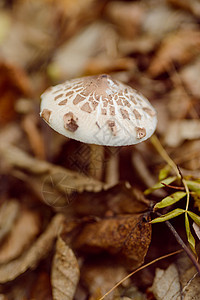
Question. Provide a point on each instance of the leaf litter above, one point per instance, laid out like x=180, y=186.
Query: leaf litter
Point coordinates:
x=72, y=225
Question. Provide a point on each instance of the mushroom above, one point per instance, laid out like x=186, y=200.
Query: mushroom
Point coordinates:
x=98, y=110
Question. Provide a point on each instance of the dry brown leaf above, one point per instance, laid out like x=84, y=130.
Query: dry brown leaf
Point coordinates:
x=166, y=284
x=180, y=130
x=128, y=16
x=25, y=229
x=34, y=135
x=9, y=211
x=41, y=289
x=37, y=251
x=55, y=181
x=14, y=83
x=190, y=75
x=192, y=6
x=65, y=272
x=190, y=281
x=179, y=48
x=100, y=277
x=126, y=236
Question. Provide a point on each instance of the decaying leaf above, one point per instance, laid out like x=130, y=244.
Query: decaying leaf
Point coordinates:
x=166, y=284
x=32, y=257
x=196, y=229
x=179, y=47
x=192, y=6
x=41, y=288
x=25, y=229
x=9, y=211
x=125, y=236
x=128, y=16
x=180, y=130
x=65, y=181
x=64, y=273
x=189, y=279
x=99, y=277
x=14, y=83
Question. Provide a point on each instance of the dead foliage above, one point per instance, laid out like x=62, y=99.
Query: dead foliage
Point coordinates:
x=75, y=219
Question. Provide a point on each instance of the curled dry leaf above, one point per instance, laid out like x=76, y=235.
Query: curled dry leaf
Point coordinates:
x=65, y=272
x=190, y=75
x=41, y=288
x=179, y=47
x=180, y=130
x=166, y=284
x=99, y=277
x=9, y=211
x=126, y=236
x=189, y=279
x=36, y=252
x=192, y=6
x=23, y=233
x=14, y=83
x=53, y=178
x=128, y=16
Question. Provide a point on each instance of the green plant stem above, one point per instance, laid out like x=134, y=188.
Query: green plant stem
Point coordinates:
x=156, y=143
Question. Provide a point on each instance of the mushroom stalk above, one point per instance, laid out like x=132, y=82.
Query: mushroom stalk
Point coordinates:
x=96, y=161
x=112, y=167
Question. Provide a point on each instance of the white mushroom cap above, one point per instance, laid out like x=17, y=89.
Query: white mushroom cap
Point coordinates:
x=98, y=110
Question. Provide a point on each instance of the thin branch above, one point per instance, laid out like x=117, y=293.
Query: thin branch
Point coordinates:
x=183, y=245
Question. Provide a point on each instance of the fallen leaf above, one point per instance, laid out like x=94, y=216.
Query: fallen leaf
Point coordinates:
x=55, y=181
x=192, y=6
x=181, y=130
x=196, y=229
x=127, y=16
x=65, y=272
x=41, y=287
x=14, y=83
x=179, y=48
x=25, y=229
x=99, y=277
x=190, y=75
x=9, y=211
x=166, y=284
x=34, y=254
x=125, y=236
x=189, y=279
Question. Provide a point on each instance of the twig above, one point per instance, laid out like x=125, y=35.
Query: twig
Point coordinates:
x=139, y=269
x=183, y=245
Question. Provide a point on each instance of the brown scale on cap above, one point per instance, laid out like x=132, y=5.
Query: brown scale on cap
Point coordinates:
x=112, y=126
x=149, y=111
x=86, y=107
x=58, y=96
x=63, y=102
x=46, y=113
x=70, y=122
x=124, y=113
x=140, y=132
x=137, y=114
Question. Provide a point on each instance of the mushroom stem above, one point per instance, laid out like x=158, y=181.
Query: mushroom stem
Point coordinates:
x=96, y=161
x=112, y=167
